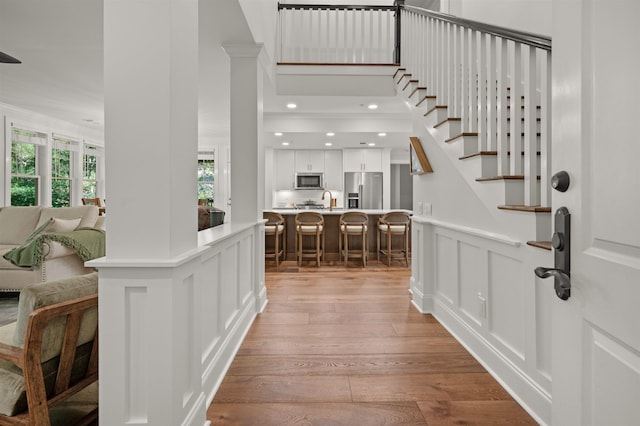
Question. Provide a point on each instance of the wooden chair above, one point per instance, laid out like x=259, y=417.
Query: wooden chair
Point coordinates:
x=58, y=358
x=310, y=224
x=94, y=202
x=395, y=223
x=353, y=224
x=276, y=228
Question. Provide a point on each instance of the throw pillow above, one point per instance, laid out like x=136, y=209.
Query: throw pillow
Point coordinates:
x=62, y=225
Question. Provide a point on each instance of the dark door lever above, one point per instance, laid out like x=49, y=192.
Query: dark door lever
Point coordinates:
x=561, y=242
x=562, y=281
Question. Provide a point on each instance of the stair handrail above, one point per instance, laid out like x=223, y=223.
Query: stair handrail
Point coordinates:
x=495, y=82
x=531, y=39
x=395, y=44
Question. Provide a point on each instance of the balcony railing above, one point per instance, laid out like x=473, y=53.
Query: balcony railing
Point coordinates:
x=332, y=34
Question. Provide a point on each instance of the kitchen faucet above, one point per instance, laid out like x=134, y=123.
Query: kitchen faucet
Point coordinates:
x=330, y=198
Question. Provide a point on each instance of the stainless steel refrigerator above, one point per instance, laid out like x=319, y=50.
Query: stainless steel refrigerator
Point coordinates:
x=363, y=190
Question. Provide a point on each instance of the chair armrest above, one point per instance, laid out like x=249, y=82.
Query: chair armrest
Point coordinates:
x=53, y=250
x=12, y=354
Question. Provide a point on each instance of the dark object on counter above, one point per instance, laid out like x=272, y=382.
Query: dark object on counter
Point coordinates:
x=209, y=217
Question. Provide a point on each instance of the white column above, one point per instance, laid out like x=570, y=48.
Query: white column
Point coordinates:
x=247, y=148
x=150, y=367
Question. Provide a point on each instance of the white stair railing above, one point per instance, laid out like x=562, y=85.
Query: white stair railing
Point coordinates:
x=336, y=34
x=496, y=80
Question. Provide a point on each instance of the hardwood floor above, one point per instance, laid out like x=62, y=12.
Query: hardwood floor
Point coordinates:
x=343, y=346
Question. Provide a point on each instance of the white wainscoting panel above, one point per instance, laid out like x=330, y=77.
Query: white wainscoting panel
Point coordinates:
x=169, y=328
x=486, y=295
x=506, y=310
x=472, y=271
x=446, y=268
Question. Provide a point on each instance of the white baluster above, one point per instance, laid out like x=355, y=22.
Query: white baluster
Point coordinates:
x=531, y=196
x=515, y=140
x=502, y=49
x=491, y=95
x=545, y=129
x=464, y=42
x=473, y=81
x=482, y=92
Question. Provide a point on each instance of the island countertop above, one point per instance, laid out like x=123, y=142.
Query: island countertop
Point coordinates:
x=332, y=226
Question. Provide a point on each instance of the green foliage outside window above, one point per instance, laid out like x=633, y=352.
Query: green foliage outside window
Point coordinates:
x=24, y=178
x=89, y=176
x=205, y=180
x=60, y=178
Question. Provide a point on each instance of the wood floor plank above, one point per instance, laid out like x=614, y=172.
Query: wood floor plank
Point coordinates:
x=445, y=413
x=314, y=365
x=339, y=346
x=249, y=389
x=348, y=346
x=401, y=414
x=424, y=387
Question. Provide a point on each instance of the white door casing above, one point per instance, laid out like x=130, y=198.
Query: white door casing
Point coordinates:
x=596, y=92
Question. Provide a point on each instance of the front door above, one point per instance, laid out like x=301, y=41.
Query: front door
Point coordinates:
x=596, y=139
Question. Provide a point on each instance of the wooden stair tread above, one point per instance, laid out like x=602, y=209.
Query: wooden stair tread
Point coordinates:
x=546, y=245
x=424, y=99
x=416, y=90
x=447, y=120
x=451, y=139
x=504, y=177
x=435, y=108
x=478, y=154
x=408, y=83
x=398, y=71
x=403, y=76
x=528, y=209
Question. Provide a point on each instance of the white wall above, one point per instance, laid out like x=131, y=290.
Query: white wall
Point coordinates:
x=525, y=15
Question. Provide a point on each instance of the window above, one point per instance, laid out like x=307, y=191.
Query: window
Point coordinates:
x=206, y=177
x=90, y=177
x=25, y=178
x=62, y=154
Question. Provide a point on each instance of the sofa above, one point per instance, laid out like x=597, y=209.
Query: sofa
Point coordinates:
x=19, y=225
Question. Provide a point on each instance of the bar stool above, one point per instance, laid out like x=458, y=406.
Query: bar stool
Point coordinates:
x=275, y=227
x=353, y=224
x=395, y=223
x=309, y=224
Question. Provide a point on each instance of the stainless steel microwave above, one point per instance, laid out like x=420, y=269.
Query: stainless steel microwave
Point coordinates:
x=310, y=180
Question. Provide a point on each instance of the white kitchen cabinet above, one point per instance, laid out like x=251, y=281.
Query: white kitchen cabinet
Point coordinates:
x=285, y=170
x=362, y=160
x=309, y=160
x=333, y=170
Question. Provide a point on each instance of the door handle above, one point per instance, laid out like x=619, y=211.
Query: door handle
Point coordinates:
x=561, y=243
x=562, y=281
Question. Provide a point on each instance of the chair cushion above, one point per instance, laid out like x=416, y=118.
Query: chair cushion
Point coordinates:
x=34, y=297
x=396, y=229
x=353, y=228
x=16, y=223
x=13, y=395
x=270, y=229
x=309, y=228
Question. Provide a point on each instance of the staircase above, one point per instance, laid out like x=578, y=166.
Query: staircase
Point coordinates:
x=483, y=94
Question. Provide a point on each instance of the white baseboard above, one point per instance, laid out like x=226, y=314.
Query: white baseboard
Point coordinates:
x=532, y=397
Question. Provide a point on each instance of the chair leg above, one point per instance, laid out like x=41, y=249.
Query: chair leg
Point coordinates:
x=388, y=248
x=276, y=238
x=378, y=245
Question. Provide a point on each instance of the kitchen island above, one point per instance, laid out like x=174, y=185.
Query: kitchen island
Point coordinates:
x=331, y=229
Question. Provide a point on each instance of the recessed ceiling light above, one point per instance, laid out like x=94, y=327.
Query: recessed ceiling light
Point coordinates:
x=328, y=144
x=372, y=106
x=382, y=134
x=371, y=144
x=291, y=105
x=285, y=143
x=330, y=134
x=278, y=134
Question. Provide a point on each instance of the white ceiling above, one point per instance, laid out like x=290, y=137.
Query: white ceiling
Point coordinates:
x=60, y=45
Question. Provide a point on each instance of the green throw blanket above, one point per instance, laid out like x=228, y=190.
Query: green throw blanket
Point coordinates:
x=87, y=243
